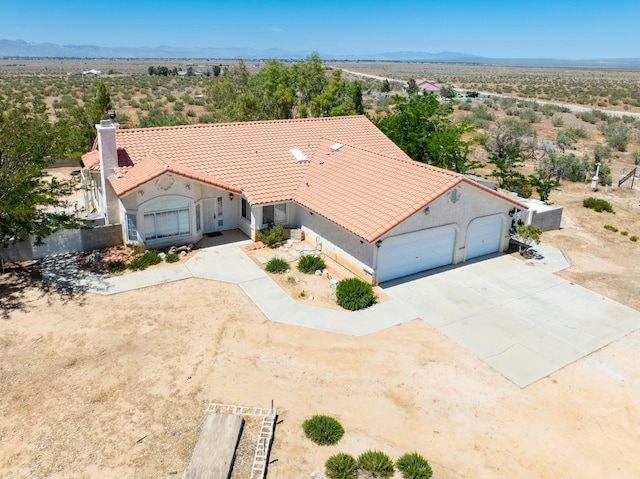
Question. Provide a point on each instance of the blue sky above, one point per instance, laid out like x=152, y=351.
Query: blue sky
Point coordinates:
x=563, y=29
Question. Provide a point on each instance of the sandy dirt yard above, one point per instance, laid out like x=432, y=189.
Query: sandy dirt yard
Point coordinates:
x=116, y=386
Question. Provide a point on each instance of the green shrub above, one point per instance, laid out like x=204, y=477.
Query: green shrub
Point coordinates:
x=633, y=238
x=172, y=257
x=341, y=466
x=413, y=466
x=611, y=228
x=376, y=464
x=271, y=235
x=597, y=204
x=149, y=258
x=116, y=266
x=354, y=294
x=323, y=430
x=309, y=264
x=624, y=233
x=277, y=265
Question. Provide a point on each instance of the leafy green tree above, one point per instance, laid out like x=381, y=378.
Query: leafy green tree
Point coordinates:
x=309, y=78
x=159, y=117
x=412, y=88
x=505, y=153
x=447, y=92
x=422, y=128
x=30, y=204
x=385, y=87
x=544, y=184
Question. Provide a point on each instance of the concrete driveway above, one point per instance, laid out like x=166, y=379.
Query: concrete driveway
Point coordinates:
x=517, y=316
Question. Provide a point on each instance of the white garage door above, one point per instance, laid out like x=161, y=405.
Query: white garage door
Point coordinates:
x=410, y=253
x=483, y=236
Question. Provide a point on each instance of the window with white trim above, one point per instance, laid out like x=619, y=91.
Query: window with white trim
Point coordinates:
x=246, y=210
x=132, y=227
x=167, y=218
x=198, y=218
x=274, y=214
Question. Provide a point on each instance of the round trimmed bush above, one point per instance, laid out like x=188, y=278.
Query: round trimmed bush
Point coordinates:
x=277, y=265
x=323, y=430
x=354, y=294
x=376, y=464
x=309, y=264
x=341, y=466
x=413, y=466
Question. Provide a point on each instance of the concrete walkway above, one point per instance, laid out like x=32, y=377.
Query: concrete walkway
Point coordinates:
x=516, y=316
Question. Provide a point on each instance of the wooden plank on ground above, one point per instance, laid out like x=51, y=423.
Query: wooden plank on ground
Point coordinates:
x=216, y=447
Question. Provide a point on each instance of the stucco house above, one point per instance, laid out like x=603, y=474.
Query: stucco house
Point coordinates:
x=354, y=193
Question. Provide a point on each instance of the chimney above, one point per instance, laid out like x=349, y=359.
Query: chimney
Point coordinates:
x=107, y=145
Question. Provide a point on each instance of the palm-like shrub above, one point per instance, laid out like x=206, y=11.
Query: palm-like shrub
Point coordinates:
x=149, y=258
x=376, y=464
x=341, y=466
x=413, y=466
x=323, y=430
x=172, y=257
x=277, y=265
x=310, y=264
x=354, y=294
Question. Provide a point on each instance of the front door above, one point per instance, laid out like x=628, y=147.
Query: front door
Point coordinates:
x=213, y=214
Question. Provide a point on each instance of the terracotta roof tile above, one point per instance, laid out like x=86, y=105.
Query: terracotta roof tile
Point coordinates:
x=367, y=186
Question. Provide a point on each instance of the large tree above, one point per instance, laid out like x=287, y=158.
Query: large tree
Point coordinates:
x=422, y=127
x=30, y=203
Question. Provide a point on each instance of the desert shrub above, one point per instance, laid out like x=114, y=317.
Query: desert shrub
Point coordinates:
x=172, y=257
x=568, y=167
x=464, y=106
x=618, y=136
x=341, y=466
x=323, y=430
x=611, y=228
x=354, y=294
x=376, y=463
x=277, y=265
x=413, y=466
x=529, y=115
x=271, y=235
x=116, y=266
x=624, y=233
x=557, y=121
x=578, y=132
x=633, y=238
x=597, y=204
x=149, y=258
x=310, y=264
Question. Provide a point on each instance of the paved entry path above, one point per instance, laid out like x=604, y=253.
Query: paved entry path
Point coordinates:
x=516, y=316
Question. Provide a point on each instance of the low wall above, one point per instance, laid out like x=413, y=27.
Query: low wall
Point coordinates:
x=547, y=220
x=64, y=241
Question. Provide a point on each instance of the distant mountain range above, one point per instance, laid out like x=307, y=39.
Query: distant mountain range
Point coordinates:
x=23, y=49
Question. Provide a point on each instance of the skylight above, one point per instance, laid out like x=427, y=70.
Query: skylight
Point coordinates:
x=297, y=154
x=336, y=146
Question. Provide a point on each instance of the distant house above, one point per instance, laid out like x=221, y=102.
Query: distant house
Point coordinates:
x=356, y=195
x=429, y=86
x=92, y=73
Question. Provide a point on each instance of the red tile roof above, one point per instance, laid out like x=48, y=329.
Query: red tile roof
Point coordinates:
x=367, y=186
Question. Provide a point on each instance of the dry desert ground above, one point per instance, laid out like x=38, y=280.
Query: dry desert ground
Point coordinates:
x=98, y=386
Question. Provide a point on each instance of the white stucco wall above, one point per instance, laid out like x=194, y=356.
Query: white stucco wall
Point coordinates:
x=472, y=203
x=171, y=186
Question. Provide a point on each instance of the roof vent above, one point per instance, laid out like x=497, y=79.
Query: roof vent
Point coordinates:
x=336, y=146
x=297, y=154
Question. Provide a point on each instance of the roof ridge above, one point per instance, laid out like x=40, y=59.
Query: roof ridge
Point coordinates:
x=194, y=126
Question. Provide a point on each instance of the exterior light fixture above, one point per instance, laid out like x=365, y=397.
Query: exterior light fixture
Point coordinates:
x=427, y=210
x=379, y=243
x=231, y=196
